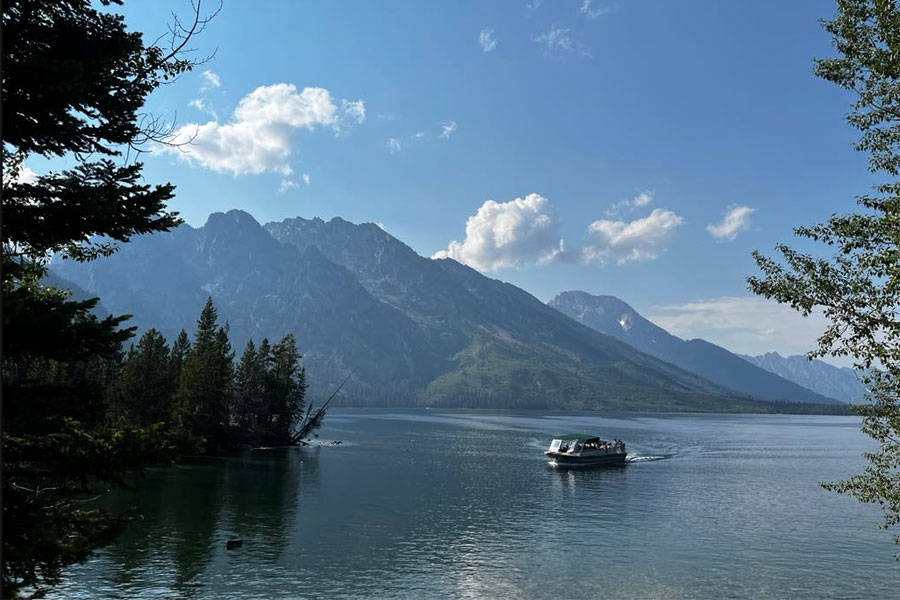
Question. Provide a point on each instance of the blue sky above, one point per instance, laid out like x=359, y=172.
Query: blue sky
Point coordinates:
x=626, y=129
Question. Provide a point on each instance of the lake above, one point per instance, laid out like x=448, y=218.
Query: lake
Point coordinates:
x=462, y=504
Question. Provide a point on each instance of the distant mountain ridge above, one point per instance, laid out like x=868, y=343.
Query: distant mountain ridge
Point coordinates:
x=414, y=331
x=614, y=317
x=836, y=382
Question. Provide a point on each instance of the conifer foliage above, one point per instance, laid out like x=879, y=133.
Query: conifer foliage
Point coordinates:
x=142, y=394
x=74, y=82
x=74, y=79
x=195, y=394
x=204, y=385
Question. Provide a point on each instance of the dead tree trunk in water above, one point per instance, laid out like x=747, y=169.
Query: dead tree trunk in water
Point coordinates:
x=313, y=419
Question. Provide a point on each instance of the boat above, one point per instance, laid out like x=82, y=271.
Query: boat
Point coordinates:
x=578, y=449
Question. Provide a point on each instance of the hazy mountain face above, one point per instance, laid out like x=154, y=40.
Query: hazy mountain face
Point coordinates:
x=611, y=316
x=836, y=382
x=412, y=329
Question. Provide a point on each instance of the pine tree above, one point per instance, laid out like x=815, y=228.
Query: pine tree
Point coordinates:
x=180, y=351
x=201, y=401
x=248, y=392
x=224, y=370
x=74, y=81
x=261, y=406
x=142, y=393
x=286, y=390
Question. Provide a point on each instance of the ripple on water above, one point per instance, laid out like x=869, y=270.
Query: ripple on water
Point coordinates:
x=464, y=505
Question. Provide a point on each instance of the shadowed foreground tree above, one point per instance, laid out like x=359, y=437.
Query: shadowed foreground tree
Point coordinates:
x=73, y=83
x=858, y=287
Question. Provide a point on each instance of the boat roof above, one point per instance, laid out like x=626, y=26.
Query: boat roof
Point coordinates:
x=575, y=437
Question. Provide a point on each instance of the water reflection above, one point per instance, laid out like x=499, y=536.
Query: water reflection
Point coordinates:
x=419, y=508
x=594, y=480
x=262, y=497
x=187, y=514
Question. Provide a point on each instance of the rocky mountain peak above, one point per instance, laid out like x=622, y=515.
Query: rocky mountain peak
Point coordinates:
x=612, y=316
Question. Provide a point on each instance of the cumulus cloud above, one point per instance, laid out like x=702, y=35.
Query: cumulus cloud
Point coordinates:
x=447, y=129
x=590, y=12
x=736, y=220
x=744, y=324
x=533, y=5
x=637, y=240
x=306, y=178
x=393, y=145
x=486, y=40
x=262, y=131
x=559, y=39
x=508, y=234
x=210, y=81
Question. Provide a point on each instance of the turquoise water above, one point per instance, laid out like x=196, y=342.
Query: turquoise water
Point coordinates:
x=428, y=504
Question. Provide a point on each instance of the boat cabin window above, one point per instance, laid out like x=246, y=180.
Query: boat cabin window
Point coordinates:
x=554, y=445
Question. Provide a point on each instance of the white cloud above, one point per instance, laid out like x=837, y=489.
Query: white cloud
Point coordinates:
x=306, y=178
x=447, y=129
x=419, y=135
x=287, y=184
x=736, y=220
x=508, y=234
x=262, y=131
x=200, y=104
x=642, y=199
x=638, y=240
x=486, y=40
x=592, y=13
x=533, y=5
x=23, y=175
x=355, y=110
x=558, y=38
x=210, y=81
x=393, y=145
x=744, y=324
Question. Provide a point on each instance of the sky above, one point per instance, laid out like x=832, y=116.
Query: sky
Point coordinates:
x=638, y=148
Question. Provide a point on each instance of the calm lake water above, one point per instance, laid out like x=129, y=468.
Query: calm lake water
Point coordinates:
x=428, y=504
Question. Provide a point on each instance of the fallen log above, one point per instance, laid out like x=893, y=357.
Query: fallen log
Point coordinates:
x=313, y=419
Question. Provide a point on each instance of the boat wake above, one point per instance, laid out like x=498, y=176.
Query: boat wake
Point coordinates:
x=636, y=459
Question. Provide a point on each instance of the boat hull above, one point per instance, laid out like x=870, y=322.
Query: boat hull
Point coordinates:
x=570, y=460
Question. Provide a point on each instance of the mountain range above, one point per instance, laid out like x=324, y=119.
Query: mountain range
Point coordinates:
x=609, y=315
x=412, y=330
x=817, y=375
